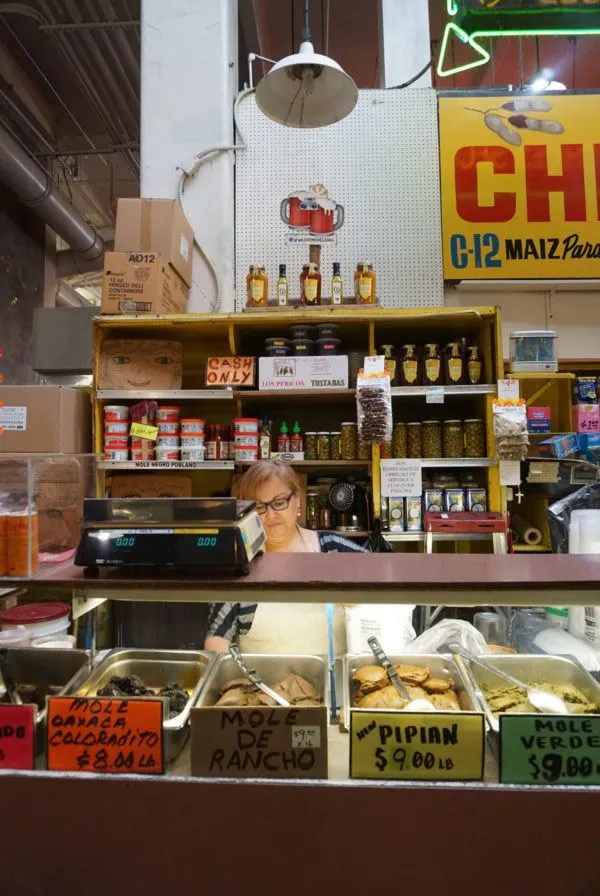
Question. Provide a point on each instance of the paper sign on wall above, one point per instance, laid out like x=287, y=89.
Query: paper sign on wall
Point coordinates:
x=510, y=472
x=230, y=371
x=17, y=737
x=508, y=389
x=538, y=749
x=100, y=734
x=401, y=478
x=417, y=746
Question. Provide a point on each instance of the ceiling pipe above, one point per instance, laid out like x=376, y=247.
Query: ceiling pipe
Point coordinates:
x=36, y=189
x=67, y=297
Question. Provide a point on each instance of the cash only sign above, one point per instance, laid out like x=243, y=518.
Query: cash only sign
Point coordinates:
x=520, y=183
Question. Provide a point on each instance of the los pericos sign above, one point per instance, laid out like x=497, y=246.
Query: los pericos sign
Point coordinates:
x=520, y=182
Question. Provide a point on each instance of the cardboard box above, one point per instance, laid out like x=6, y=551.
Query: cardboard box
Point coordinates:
x=140, y=364
x=156, y=225
x=538, y=419
x=45, y=420
x=138, y=283
x=303, y=372
x=586, y=418
x=561, y=446
x=153, y=485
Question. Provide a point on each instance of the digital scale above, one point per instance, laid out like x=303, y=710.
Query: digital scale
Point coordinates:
x=170, y=533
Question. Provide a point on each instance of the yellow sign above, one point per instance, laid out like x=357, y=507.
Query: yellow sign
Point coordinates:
x=144, y=431
x=520, y=182
x=417, y=746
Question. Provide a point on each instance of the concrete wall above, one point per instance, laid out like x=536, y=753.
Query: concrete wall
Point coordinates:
x=22, y=258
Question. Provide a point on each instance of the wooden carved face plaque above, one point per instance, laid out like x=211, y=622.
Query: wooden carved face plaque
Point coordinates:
x=140, y=364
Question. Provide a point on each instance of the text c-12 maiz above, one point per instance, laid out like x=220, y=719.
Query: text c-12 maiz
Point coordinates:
x=481, y=249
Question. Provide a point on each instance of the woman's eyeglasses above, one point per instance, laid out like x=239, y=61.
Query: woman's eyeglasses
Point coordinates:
x=277, y=504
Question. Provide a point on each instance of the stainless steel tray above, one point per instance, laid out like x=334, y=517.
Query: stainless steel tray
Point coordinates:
x=439, y=665
x=529, y=668
x=48, y=668
x=271, y=667
x=157, y=668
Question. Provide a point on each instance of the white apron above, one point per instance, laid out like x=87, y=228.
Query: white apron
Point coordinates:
x=293, y=628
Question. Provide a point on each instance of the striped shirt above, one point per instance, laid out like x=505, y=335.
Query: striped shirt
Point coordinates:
x=233, y=621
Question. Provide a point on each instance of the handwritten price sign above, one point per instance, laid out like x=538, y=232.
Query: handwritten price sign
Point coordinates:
x=17, y=737
x=417, y=746
x=538, y=749
x=99, y=734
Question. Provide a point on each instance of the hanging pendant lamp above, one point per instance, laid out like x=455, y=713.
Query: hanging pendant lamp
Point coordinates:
x=306, y=90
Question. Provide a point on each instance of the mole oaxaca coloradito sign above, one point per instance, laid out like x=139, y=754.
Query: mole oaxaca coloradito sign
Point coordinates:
x=520, y=183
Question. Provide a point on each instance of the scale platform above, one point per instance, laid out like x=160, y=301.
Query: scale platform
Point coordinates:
x=170, y=533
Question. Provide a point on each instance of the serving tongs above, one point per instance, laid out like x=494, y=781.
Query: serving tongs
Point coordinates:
x=418, y=705
x=255, y=678
x=7, y=678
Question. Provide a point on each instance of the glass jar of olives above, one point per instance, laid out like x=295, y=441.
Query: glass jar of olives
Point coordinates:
x=432, y=438
x=453, y=438
x=399, y=447
x=474, y=438
x=335, y=447
x=310, y=445
x=349, y=437
x=414, y=440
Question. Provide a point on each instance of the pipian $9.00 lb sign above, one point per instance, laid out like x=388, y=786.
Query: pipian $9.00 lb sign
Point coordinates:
x=520, y=181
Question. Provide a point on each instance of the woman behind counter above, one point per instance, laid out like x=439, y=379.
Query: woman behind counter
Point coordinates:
x=276, y=628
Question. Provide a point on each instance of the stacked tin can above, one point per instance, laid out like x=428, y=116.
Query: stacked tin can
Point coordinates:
x=116, y=432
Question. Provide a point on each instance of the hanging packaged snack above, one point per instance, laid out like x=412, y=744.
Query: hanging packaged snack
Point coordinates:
x=510, y=428
x=374, y=408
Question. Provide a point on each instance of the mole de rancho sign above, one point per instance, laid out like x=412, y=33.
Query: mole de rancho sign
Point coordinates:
x=520, y=182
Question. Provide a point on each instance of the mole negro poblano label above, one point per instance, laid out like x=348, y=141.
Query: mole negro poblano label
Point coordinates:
x=417, y=746
x=106, y=735
x=539, y=749
x=259, y=742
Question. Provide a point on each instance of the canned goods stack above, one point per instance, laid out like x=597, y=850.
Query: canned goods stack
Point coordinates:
x=116, y=432
x=246, y=439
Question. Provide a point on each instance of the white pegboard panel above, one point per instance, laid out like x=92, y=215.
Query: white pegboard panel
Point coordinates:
x=381, y=164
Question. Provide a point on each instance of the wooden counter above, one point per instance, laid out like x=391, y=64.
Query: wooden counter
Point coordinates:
x=355, y=578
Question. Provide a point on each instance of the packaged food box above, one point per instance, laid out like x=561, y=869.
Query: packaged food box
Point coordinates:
x=586, y=418
x=414, y=514
x=538, y=419
x=476, y=500
x=433, y=500
x=589, y=447
x=561, y=446
x=44, y=420
x=396, y=510
x=586, y=390
x=454, y=500
x=141, y=283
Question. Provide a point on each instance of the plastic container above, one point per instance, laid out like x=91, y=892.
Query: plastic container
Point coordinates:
x=195, y=455
x=168, y=413
x=116, y=429
x=277, y=342
x=171, y=428
x=192, y=440
x=138, y=454
x=37, y=619
x=116, y=454
x=245, y=438
x=55, y=642
x=15, y=637
x=302, y=331
x=167, y=442
x=115, y=441
x=23, y=550
x=249, y=425
x=277, y=351
x=303, y=346
x=533, y=351
x=327, y=331
x=116, y=413
x=192, y=425
x=166, y=453
x=246, y=453
x=328, y=346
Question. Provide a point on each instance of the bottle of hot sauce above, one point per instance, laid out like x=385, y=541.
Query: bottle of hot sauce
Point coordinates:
x=310, y=285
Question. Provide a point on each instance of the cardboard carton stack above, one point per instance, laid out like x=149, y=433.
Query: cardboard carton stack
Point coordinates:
x=150, y=271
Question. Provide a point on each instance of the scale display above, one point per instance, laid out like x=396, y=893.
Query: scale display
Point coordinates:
x=474, y=22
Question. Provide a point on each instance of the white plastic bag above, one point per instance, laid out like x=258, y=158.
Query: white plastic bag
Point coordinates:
x=449, y=631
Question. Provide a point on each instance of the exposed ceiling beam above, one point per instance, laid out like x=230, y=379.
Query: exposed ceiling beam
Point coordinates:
x=24, y=88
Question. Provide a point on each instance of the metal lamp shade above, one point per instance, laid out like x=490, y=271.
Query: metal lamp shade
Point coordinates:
x=306, y=90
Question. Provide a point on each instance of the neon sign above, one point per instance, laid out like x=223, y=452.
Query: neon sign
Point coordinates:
x=472, y=20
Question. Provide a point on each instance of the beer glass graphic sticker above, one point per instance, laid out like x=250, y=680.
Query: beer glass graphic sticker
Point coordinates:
x=311, y=216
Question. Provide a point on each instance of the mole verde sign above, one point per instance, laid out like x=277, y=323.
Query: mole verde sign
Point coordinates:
x=475, y=21
x=520, y=186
